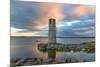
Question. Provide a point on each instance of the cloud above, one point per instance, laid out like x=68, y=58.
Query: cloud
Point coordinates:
x=45, y=12
x=80, y=10
x=22, y=14
x=13, y=29
x=15, y=32
x=86, y=30
x=24, y=32
x=76, y=28
x=31, y=18
x=77, y=12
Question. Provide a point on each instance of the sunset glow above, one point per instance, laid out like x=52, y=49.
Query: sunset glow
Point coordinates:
x=31, y=19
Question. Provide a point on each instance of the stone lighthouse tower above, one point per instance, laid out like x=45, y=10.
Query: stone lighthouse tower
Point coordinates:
x=52, y=31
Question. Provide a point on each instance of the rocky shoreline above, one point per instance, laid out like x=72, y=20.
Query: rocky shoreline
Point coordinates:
x=36, y=61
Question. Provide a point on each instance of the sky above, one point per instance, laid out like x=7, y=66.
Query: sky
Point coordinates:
x=72, y=20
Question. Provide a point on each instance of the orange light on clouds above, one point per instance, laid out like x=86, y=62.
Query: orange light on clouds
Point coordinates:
x=79, y=10
x=46, y=11
x=82, y=10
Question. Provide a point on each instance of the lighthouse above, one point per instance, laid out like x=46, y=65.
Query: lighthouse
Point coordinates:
x=52, y=31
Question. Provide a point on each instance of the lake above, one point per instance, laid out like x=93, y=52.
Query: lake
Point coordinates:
x=26, y=47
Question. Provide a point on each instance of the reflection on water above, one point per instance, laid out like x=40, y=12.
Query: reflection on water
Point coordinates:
x=37, y=53
x=26, y=47
x=80, y=56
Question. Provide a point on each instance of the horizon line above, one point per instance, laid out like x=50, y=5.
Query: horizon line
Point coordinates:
x=56, y=37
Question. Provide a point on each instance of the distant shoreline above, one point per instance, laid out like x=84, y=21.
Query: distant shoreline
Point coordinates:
x=47, y=37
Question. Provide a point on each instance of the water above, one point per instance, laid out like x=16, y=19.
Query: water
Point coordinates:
x=26, y=47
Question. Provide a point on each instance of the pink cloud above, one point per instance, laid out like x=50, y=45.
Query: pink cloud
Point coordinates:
x=46, y=11
x=81, y=10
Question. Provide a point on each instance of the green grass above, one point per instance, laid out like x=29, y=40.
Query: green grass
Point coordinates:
x=52, y=53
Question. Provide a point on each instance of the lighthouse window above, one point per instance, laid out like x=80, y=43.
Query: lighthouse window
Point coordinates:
x=50, y=22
